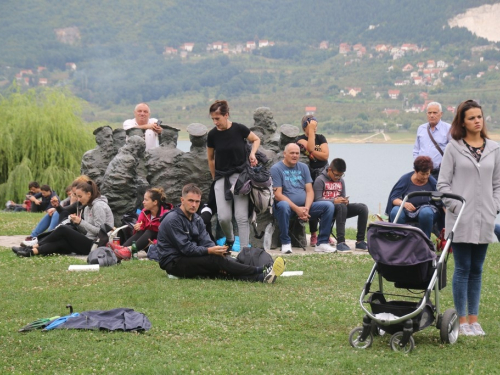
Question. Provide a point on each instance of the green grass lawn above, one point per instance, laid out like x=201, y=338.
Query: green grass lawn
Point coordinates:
x=299, y=325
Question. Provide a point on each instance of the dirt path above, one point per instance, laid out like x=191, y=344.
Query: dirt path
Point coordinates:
x=9, y=241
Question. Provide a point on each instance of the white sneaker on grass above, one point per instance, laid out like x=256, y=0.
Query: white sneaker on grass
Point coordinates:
x=286, y=248
x=325, y=248
x=477, y=329
x=466, y=330
x=31, y=243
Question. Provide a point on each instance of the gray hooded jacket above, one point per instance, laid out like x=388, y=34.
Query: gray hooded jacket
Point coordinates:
x=95, y=216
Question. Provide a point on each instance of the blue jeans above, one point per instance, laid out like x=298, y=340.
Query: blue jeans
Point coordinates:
x=469, y=259
x=497, y=231
x=47, y=223
x=426, y=218
x=322, y=210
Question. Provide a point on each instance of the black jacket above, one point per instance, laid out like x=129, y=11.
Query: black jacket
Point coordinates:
x=180, y=237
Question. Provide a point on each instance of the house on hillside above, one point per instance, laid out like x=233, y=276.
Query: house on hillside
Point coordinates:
x=431, y=64
x=263, y=43
x=420, y=65
x=70, y=66
x=451, y=109
x=310, y=110
x=381, y=48
x=441, y=64
x=188, y=47
x=344, y=48
x=217, y=46
x=393, y=94
x=417, y=80
x=169, y=51
x=409, y=47
x=407, y=68
x=43, y=82
x=251, y=45
x=41, y=69
x=324, y=44
x=353, y=91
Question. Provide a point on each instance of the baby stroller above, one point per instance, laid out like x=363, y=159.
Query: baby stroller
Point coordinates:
x=404, y=255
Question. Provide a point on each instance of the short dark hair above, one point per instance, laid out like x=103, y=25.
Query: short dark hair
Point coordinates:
x=45, y=188
x=33, y=184
x=457, y=130
x=423, y=164
x=190, y=188
x=220, y=105
x=338, y=165
x=306, y=120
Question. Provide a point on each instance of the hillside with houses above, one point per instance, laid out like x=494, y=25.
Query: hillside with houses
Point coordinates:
x=358, y=73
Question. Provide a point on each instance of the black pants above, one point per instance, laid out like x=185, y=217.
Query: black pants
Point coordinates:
x=346, y=211
x=212, y=266
x=65, y=240
x=141, y=239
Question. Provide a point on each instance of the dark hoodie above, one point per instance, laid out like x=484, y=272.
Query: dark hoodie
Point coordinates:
x=180, y=237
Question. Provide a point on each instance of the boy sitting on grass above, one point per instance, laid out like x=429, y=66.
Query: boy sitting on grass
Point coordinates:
x=330, y=186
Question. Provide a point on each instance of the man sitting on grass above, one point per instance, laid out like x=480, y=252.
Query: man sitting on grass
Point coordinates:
x=186, y=250
x=330, y=186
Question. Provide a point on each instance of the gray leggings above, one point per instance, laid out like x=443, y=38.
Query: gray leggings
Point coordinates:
x=225, y=212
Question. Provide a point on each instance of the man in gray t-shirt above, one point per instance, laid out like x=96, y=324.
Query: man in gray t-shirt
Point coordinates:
x=294, y=195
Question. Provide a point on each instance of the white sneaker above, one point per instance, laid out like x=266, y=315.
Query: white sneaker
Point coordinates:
x=477, y=329
x=325, y=248
x=286, y=248
x=31, y=243
x=466, y=330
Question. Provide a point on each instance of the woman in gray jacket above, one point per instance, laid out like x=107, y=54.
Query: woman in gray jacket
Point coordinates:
x=79, y=237
x=470, y=168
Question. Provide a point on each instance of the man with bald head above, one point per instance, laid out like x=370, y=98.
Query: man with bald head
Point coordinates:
x=294, y=196
x=149, y=125
x=432, y=137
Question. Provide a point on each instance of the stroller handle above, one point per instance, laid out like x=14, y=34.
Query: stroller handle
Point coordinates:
x=435, y=195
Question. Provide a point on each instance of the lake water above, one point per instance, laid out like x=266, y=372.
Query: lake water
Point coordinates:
x=372, y=171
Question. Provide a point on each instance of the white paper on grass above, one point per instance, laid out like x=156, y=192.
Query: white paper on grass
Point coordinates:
x=83, y=267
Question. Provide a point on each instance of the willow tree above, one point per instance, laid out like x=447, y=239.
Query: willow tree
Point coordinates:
x=43, y=138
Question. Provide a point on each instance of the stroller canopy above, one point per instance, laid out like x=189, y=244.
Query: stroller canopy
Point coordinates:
x=399, y=244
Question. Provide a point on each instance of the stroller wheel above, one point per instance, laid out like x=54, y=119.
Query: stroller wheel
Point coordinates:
x=449, y=327
x=354, y=337
x=396, y=339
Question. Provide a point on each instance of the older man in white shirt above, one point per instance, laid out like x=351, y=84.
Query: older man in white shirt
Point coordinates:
x=432, y=137
x=144, y=122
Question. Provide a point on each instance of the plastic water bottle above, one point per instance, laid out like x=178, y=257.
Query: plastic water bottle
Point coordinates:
x=134, y=251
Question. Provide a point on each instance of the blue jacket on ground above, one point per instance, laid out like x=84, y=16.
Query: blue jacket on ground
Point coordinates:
x=180, y=237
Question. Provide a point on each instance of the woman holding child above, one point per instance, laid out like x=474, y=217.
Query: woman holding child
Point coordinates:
x=65, y=239
x=227, y=158
x=471, y=169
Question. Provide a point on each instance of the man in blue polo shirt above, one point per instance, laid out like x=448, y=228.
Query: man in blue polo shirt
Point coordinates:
x=432, y=137
x=294, y=195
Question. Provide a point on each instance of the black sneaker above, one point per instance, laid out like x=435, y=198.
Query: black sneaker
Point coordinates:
x=271, y=272
x=23, y=251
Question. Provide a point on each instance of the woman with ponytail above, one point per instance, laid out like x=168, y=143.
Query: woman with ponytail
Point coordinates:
x=65, y=239
x=146, y=229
